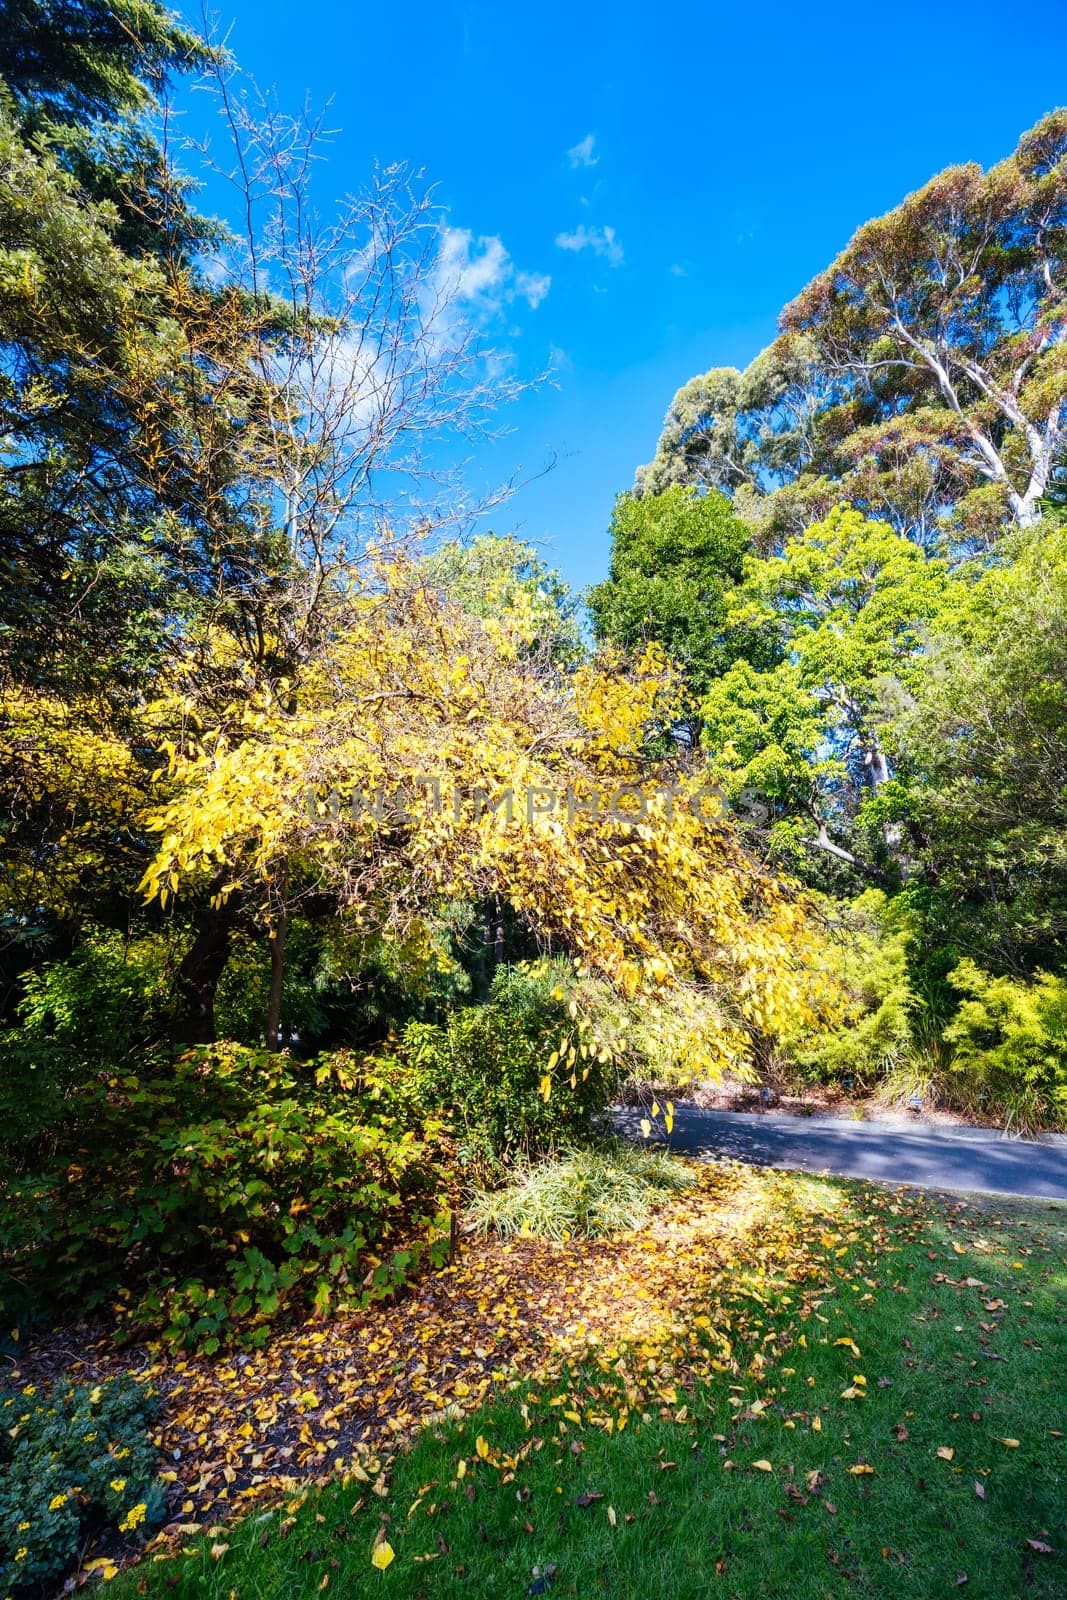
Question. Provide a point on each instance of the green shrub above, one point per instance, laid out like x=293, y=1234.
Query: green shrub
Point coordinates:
x=214, y=1192
x=585, y=1194
x=486, y=1066
x=1010, y=1043
x=74, y=1461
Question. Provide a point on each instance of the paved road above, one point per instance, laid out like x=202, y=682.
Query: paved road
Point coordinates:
x=979, y=1159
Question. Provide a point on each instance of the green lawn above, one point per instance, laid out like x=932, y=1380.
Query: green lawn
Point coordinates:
x=957, y=1313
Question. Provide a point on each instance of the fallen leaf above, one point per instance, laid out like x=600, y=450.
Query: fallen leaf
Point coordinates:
x=1040, y=1546
x=762, y=1466
x=382, y=1555
x=979, y=1489
x=946, y=1452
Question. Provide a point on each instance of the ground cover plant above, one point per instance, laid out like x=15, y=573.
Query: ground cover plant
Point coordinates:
x=76, y=1460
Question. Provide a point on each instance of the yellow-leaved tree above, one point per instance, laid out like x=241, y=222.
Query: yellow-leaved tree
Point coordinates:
x=425, y=754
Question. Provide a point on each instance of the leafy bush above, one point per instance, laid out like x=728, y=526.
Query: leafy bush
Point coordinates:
x=215, y=1191
x=587, y=1194
x=1010, y=1040
x=491, y=1065
x=72, y=1462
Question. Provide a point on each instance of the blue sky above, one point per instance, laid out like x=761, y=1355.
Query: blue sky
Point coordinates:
x=699, y=165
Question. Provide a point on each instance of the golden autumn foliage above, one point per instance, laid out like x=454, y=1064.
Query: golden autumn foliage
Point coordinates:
x=425, y=754
x=69, y=778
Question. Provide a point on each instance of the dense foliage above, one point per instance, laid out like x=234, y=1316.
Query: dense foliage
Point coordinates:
x=485, y=1066
x=206, y=1196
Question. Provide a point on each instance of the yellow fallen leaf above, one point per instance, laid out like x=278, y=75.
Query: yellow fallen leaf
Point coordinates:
x=849, y=1344
x=646, y=1127
x=482, y=1447
x=860, y=1469
x=461, y=1470
x=763, y=1466
x=218, y=1551
x=946, y=1452
x=1012, y=1444
x=612, y=1518
x=106, y=1568
x=382, y=1555
x=816, y=1424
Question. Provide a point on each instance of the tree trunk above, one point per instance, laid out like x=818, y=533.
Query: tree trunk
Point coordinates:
x=877, y=764
x=277, y=959
x=198, y=975
x=498, y=933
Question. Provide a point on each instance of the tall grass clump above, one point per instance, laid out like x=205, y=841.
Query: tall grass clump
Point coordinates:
x=588, y=1193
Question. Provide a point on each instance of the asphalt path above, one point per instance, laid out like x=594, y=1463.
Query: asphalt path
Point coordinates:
x=982, y=1160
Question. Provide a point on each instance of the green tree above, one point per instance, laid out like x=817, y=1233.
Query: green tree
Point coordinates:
x=81, y=78
x=675, y=559
x=844, y=608
x=982, y=742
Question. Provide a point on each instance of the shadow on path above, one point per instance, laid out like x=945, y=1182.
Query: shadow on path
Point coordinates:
x=979, y=1159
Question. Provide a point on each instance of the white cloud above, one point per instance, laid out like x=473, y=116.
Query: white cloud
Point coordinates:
x=581, y=154
x=480, y=272
x=677, y=270
x=601, y=241
x=532, y=286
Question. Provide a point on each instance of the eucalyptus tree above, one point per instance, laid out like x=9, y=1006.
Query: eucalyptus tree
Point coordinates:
x=922, y=376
